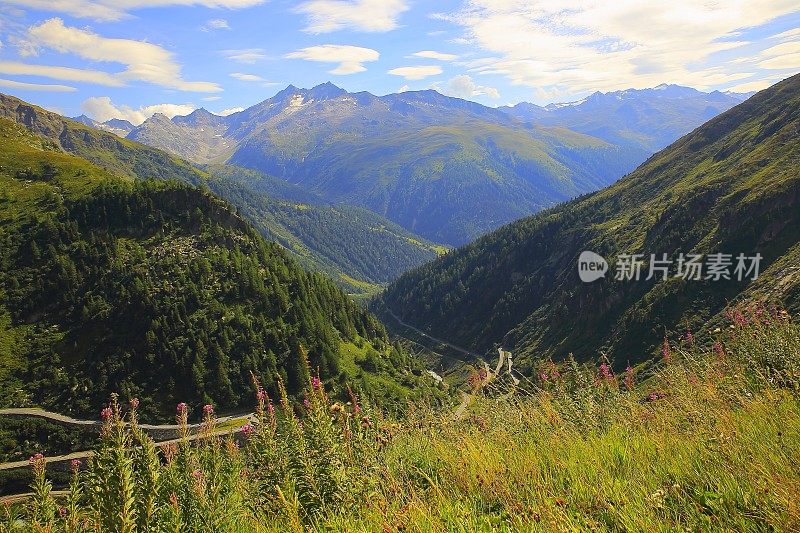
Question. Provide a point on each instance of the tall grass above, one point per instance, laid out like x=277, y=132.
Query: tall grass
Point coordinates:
x=708, y=440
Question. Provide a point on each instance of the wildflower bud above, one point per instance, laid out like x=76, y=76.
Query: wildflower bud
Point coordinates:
x=62, y=512
x=271, y=408
x=173, y=499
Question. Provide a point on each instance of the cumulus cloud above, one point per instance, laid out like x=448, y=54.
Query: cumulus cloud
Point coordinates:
x=325, y=16
x=247, y=55
x=350, y=59
x=598, y=45
x=36, y=86
x=60, y=73
x=430, y=54
x=246, y=77
x=111, y=10
x=231, y=111
x=101, y=109
x=417, y=73
x=464, y=86
x=144, y=61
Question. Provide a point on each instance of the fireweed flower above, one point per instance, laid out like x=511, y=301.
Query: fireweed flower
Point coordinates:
x=134, y=403
x=605, y=372
x=208, y=409
x=76, y=464
x=689, y=338
x=316, y=383
x=173, y=499
x=181, y=409
x=248, y=429
x=270, y=408
x=197, y=474
x=544, y=377
x=33, y=459
x=306, y=403
x=105, y=413
x=718, y=350
x=665, y=351
x=628, y=377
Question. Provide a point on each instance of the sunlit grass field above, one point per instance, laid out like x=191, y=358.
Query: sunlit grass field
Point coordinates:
x=708, y=439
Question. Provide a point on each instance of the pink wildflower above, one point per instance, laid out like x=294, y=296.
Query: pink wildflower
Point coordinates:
x=629, y=377
x=182, y=409
x=134, y=403
x=173, y=499
x=665, y=351
x=605, y=371
x=316, y=383
x=544, y=377
x=105, y=413
x=689, y=338
x=76, y=464
x=35, y=458
x=62, y=512
x=306, y=403
x=718, y=350
x=270, y=408
x=261, y=395
x=248, y=429
x=208, y=409
x=197, y=474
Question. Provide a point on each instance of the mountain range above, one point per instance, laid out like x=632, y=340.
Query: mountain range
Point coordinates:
x=731, y=186
x=156, y=289
x=444, y=168
x=360, y=250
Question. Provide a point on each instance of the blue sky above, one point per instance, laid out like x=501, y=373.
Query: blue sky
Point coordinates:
x=131, y=58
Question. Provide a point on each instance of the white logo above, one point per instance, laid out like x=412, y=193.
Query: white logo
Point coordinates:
x=591, y=266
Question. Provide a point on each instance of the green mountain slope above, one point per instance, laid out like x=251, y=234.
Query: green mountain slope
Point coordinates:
x=730, y=186
x=360, y=250
x=157, y=290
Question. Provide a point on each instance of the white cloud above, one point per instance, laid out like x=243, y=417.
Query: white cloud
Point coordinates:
x=144, y=61
x=403, y=89
x=463, y=86
x=211, y=98
x=563, y=47
x=60, y=73
x=216, y=24
x=751, y=86
x=231, y=111
x=430, y=54
x=247, y=55
x=36, y=86
x=351, y=59
x=417, y=73
x=782, y=56
x=101, y=109
x=246, y=77
x=325, y=16
x=110, y=10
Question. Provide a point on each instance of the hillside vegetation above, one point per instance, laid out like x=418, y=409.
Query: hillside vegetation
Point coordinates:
x=731, y=186
x=708, y=440
x=159, y=290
